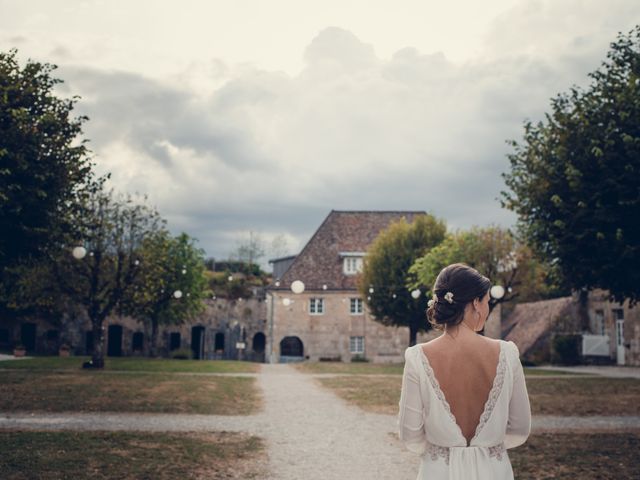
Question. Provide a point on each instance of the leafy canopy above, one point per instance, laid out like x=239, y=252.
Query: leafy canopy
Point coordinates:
x=575, y=178
x=386, y=271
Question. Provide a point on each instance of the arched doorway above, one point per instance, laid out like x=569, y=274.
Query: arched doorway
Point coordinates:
x=28, y=336
x=258, y=346
x=137, y=342
x=259, y=342
x=114, y=347
x=291, y=350
x=218, y=345
x=174, y=341
x=197, y=342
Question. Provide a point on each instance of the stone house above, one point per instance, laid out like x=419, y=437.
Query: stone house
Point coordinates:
x=329, y=319
x=610, y=333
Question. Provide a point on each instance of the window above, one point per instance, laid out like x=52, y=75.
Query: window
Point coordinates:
x=618, y=314
x=356, y=306
x=352, y=265
x=356, y=345
x=316, y=306
x=598, y=324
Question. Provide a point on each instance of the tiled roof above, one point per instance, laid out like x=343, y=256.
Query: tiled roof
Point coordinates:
x=530, y=323
x=319, y=263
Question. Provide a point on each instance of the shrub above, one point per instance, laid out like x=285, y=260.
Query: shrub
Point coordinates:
x=181, y=354
x=359, y=358
x=565, y=349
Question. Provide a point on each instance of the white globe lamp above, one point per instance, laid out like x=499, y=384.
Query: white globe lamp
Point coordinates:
x=497, y=292
x=297, y=287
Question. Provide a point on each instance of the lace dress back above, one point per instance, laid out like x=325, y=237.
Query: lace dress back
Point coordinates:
x=428, y=426
x=492, y=396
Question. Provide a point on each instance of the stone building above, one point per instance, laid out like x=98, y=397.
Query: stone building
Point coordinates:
x=609, y=334
x=329, y=320
x=227, y=329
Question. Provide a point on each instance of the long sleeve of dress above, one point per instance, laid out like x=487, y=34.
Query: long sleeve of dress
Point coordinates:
x=411, y=414
x=519, y=423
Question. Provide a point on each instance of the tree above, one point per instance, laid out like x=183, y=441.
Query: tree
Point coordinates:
x=251, y=250
x=171, y=285
x=112, y=232
x=44, y=165
x=385, y=277
x=495, y=253
x=574, y=179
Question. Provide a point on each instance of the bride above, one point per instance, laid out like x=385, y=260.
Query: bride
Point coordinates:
x=464, y=400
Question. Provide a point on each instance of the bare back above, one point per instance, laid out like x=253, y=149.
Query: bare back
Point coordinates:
x=465, y=370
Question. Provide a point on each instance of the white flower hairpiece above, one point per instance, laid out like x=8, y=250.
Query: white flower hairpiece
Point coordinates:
x=448, y=297
x=431, y=303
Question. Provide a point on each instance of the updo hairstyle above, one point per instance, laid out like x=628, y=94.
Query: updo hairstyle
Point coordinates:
x=465, y=284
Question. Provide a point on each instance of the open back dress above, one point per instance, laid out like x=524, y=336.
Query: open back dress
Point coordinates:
x=428, y=427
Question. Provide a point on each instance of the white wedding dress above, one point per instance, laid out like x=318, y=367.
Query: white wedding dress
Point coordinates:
x=427, y=426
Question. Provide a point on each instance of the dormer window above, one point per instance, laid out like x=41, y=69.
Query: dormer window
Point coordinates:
x=352, y=262
x=352, y=265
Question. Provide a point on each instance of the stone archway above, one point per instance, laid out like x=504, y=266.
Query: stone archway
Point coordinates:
x=258, y=345
x=291, y=349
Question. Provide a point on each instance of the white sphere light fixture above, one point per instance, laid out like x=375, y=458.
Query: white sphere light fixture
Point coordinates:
x=297, y=286
x=177, y=294
x=371, y=290
x=497, y=292
x=415, y=294
x=79, y=252
x=286, y=302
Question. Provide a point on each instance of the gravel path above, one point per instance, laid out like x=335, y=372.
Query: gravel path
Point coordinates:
x=310, y=433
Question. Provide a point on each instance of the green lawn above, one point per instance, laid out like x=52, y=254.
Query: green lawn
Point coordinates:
x=105, y=391
x=129, y=456
x=549, y=396
x=135, y=364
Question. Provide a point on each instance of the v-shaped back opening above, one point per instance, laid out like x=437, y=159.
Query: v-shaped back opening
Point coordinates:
x=492, y=395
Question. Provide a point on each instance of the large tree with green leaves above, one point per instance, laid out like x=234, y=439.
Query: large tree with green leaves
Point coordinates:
x=171, y=285
x=495, y=253
x=574, y=179
x=385, y=279
x=111, y=231
x=44, y=163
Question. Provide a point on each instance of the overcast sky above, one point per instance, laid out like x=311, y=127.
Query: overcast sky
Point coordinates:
x=255, y=115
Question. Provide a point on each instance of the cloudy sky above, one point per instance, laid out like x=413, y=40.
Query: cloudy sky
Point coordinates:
x=255, y=115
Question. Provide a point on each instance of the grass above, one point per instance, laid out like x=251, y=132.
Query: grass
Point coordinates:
x=355, y=368
x=103, y=391
x=585, y=396
x=361, y=368
x=128, y=456
x=131, y=364
x=558, y=456
x=549, y=396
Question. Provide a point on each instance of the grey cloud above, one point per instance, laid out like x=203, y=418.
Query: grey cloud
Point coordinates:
x=274, y=153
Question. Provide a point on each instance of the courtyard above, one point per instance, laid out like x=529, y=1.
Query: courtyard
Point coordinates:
x=143, y=418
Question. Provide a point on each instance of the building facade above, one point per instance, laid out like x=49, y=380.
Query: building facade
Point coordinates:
x=329, y=320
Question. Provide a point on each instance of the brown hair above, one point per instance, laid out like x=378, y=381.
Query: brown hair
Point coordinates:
x=465, y=284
